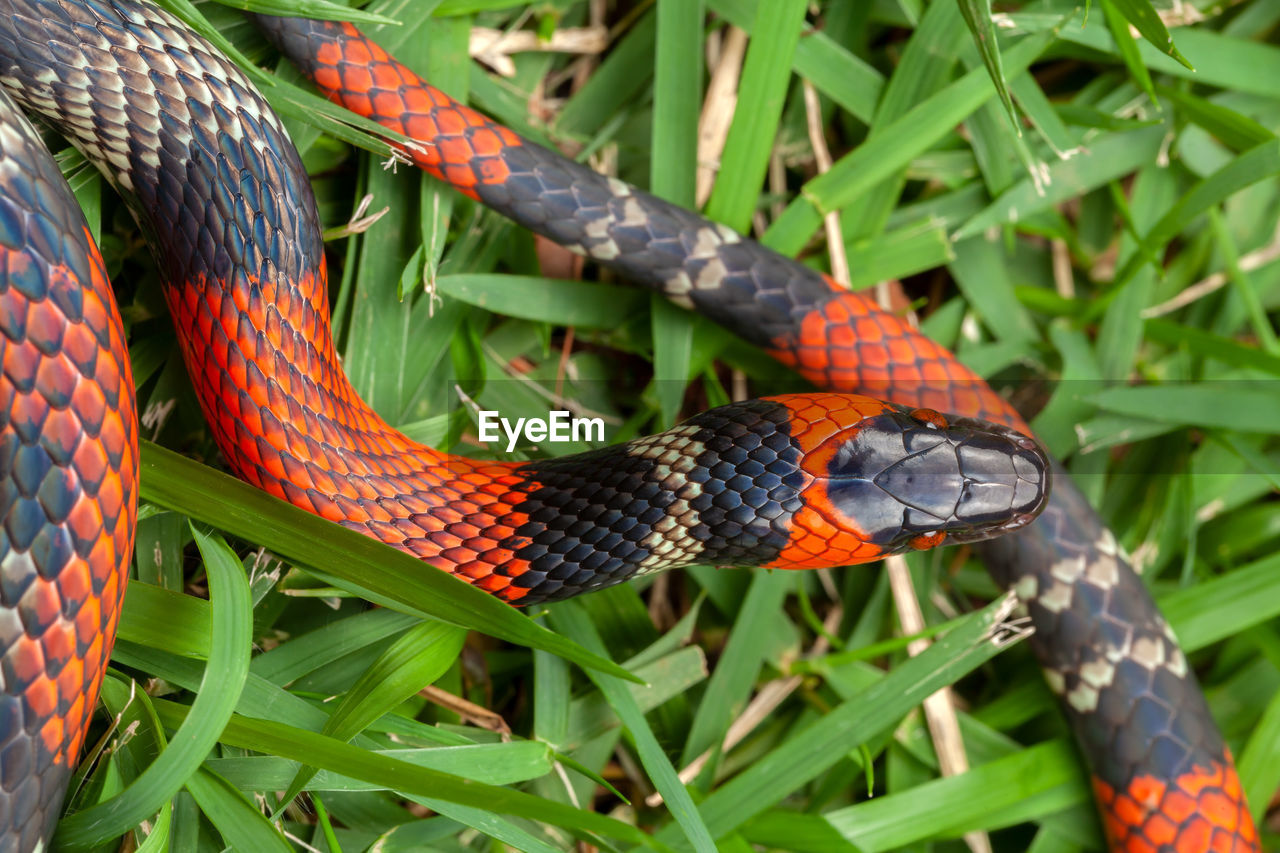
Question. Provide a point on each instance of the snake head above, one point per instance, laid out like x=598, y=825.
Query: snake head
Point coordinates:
x=916, y=479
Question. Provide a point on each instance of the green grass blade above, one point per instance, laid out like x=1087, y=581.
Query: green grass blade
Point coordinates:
x=977, y=16
x=230, y=640
x=1231, y=406
x=766, y=72
x=735, y=674
x=1261, y=161
x=1260, y=761
x=572, y=303
x=677, y=98
x=1231, y=127
x=893, y=149
x=833, y=69
x=1119, y=26
x=863, y=718
x=617, y=81
x=1146, y=19
x=1032, y=783
x=573, y=621
x=1248, y=596
x=241, y=824
x=313, y=650
x=1108, y=157
x=415, y=660
x=332, y=754
x=319, y=9
x=491, y=763
x=157, y=840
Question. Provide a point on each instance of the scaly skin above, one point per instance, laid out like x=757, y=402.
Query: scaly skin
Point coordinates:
x=794, y=481
x=68, y=480
x=1132, y=700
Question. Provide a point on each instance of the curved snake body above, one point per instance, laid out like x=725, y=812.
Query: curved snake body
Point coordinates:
x=216, y=184
x=68, y=452
x=1162, y=775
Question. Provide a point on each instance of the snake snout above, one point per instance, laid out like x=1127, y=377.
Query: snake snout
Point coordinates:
x=917, y=481
x=1005, y=479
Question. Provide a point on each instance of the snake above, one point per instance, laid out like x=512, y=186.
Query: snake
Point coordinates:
x=793, y=481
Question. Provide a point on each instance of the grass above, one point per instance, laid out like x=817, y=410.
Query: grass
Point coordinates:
x=1111, y=264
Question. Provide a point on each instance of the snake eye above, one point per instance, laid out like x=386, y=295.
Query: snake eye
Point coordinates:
x=930, y=418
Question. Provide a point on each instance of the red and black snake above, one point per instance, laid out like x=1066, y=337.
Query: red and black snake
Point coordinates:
x=794, y=481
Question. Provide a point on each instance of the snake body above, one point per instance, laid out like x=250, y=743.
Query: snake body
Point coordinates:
x=1162, y=775
x=68, y=450
x=219, y=190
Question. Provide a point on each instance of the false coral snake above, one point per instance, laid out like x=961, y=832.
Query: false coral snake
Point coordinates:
x=216, y=184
